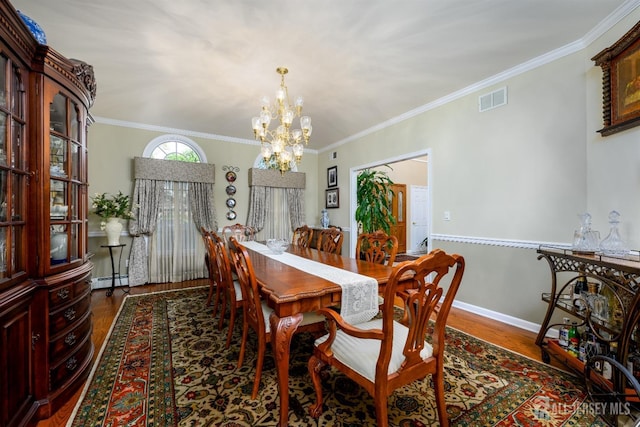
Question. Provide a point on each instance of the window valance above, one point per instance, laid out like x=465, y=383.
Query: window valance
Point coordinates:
x=273, y=178
x=173, y=170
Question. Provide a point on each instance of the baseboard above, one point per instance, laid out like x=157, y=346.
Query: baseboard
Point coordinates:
x=105, y=282
x=503, y=318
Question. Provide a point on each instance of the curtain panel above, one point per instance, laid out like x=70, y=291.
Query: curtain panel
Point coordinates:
x=151, y=178
x=273, y=193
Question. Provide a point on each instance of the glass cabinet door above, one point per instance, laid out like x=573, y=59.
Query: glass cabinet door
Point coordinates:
x=13, y=172
x=66, y=180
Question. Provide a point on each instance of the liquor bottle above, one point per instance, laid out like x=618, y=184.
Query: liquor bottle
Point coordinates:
x=563, y=335
x=579, y=287
x=574, y=339
x=607, y=369
x=591, y=344
x=632, y=358
x=598, y=303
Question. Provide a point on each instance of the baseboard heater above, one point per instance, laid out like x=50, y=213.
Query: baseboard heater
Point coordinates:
x=105, y=282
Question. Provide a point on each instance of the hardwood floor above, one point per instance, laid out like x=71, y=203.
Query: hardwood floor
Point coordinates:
x=105, y=309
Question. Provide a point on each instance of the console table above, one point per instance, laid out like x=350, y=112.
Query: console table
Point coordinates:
x=620, y=279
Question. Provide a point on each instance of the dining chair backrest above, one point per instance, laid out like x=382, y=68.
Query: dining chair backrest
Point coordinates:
x=392, y=354
x=209, y=261
x=302, y=236
x=330, y=240
x=246, y=276
x=229, y=290
x=240, y=232
x=377, y=247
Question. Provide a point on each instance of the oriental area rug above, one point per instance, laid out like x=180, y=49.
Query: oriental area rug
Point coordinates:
x=164, y=363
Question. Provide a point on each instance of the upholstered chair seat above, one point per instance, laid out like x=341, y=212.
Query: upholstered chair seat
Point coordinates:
x=362, y=355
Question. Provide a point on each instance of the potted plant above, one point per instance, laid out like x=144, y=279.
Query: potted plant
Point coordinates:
x=111, y=209
x=374, y=210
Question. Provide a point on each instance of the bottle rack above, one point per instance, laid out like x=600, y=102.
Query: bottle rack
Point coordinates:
x=621, y=277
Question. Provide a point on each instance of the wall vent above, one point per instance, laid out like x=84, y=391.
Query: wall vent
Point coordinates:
x=333, y=155
x=492, y=100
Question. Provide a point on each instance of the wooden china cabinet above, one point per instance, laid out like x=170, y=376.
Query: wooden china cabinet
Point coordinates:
x=45, y=295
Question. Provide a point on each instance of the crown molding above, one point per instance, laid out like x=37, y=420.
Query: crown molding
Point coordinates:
x=183, y=132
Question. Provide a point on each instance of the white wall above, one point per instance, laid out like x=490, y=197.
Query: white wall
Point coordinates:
x=613, y=162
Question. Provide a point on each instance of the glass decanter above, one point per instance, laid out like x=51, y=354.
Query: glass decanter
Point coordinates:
x=585, y=240
x=613, y=245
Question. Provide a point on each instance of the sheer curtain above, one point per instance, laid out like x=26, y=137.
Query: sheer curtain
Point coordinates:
x=176, y=249
x=277, y=223
x=173, y=199
x=276, y=203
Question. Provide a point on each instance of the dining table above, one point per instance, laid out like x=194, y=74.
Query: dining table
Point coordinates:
x=291, y=286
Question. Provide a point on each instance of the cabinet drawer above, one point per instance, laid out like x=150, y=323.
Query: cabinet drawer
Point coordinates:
x=66, y=342
x=68, y=292
x=62, y=372
x=67, y=315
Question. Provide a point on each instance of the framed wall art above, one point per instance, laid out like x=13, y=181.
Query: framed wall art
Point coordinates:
x=332, y=198
x=620, y=65
x=332, y=176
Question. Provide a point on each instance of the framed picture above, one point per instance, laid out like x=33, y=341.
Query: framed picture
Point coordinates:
x=621, y=83
x=332, y=198
x=332, y=176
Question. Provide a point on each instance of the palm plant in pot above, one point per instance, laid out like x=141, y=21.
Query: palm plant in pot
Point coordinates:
x=374, y=211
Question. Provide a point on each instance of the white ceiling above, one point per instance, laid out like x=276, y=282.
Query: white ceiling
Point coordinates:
x=202, y=65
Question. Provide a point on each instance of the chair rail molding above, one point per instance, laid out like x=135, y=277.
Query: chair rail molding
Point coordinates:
x=509, y=243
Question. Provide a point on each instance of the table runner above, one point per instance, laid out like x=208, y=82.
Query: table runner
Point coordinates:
x=359, y=302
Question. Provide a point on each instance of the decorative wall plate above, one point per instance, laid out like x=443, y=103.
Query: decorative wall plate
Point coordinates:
x=231, y=190
x=231, y=202
x=230, y=176
x=231, y=215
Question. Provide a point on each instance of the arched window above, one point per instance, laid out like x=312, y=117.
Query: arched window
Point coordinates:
x=174, y=147
x=173, y=208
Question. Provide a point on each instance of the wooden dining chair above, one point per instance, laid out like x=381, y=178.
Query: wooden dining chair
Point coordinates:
x=330, y=240
x=383, y=354
x=241, y=232
x=256, y=312
x=229, y=291
x=377, y=247
x=208, y=261
x=302, y=236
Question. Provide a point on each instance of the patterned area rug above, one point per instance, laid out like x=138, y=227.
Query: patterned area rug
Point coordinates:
x=165, y=364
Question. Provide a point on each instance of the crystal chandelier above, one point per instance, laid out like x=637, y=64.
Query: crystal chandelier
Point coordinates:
x=282, y=147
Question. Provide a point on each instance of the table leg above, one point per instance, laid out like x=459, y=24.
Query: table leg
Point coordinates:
x=113, y=274
x=282, y=329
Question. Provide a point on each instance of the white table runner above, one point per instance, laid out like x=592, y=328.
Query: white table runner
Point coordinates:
x=359, y=302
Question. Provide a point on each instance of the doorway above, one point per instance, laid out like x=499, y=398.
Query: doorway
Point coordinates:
x=399, y=163
x=419, y=225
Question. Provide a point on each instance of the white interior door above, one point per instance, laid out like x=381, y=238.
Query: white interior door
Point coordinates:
x=419, y=221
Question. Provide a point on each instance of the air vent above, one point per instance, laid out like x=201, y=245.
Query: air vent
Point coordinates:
x=333, y=155
x=493, y=100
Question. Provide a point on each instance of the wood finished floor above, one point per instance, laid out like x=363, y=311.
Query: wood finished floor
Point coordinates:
x=105, y=309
